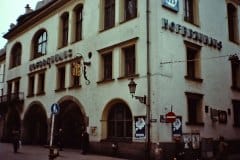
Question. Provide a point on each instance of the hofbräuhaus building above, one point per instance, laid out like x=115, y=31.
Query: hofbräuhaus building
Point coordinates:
x=75, y=60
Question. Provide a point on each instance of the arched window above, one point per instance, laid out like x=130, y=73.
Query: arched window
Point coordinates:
x=64, y=28
x=40, y=44
x=78, y=11
x=232, y=23
x=120, y=122
x=16, y=54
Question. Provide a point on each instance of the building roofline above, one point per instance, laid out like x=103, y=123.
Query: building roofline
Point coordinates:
x=27, y=20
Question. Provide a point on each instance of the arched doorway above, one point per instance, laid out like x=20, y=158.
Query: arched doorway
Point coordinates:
x=119, y=122
x=72, y=122
x=13, y=122
x=35, y=125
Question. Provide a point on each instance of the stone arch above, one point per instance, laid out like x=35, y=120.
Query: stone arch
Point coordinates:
x=35, y=124
x=13, y=122
x=72, y=120
x=105, y=114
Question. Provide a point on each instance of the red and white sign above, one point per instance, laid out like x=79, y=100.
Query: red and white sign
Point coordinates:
x=170, y=117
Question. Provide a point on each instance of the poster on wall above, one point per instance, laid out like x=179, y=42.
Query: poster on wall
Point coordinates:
x=195, y=140
x=191, y=140
x=140, y=124
x=177, y=127
x=222, y=116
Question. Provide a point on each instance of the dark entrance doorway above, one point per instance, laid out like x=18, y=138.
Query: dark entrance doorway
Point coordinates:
x=71, y=120
x=13, y=122
x=35, y=125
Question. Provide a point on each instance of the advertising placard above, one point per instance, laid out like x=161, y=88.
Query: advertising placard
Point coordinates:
x=140, y=125
x=177, y=127
x=171, y=4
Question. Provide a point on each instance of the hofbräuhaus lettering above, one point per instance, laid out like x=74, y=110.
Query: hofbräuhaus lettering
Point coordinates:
x=191, y=34
x=50, y=60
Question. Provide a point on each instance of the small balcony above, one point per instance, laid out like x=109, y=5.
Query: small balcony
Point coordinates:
x=13, y=97
x=8, y=100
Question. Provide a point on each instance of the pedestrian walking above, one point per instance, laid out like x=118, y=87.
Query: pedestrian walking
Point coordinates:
x=222, y=149
x=85, y=142
x=60, y=139
x=15, y=140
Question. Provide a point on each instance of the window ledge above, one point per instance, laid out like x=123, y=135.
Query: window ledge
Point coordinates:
x=128, y=76
x=193, y=79
x=234, y=41
x=40, y=93
x=235, y=88
x=30, y=95
x=105, y=81
x=195, y=123
x=61, y=47
x=190, y=22
x=126, y=20
x=60, y=89
x=75, y=87
x=76, y=41
x=105, y=29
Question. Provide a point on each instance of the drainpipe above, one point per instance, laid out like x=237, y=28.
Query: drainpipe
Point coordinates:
x=148, y=84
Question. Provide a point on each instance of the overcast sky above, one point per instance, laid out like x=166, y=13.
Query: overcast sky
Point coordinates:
x=9, y=12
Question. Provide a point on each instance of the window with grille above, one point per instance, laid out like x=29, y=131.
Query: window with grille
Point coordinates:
x=78, y=11
x=16, y=54
x=65, y=27
x=236, y=112
x=191, y=11
x=130, y=9
x=31, y=83
x=107, y=66
x=40, y=44
x=194, y=108
x=119, y=122
x=129, y=60
x=41, y=83
x=193, y=61
x=232, y=23
x=61, y=78
x=109, y=13
x=235, y=64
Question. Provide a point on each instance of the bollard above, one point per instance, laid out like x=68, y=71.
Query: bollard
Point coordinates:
x=158, y=152
x=115, y=148
x=53, y=153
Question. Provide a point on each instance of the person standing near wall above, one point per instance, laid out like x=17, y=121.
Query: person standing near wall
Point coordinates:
x=222, y=149
x=85, y=142
x=15, y=140
x=60, y=139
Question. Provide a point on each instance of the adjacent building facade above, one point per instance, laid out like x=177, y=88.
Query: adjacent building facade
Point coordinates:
x=81, y=55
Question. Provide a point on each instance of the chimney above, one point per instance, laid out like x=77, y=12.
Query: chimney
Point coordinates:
x=28, y=9
x=12, y=25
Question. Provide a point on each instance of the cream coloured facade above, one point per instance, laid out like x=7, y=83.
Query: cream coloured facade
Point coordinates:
x=179, y=62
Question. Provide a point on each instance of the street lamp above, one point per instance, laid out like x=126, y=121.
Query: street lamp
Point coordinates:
x=142, y=99
x=132, y=89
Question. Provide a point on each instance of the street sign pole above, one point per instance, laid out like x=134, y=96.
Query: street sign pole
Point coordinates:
x=55, y=110
x=52, y=127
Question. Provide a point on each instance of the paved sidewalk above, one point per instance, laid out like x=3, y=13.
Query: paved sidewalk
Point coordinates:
x=41, y=153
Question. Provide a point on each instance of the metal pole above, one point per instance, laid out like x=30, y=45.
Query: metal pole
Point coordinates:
x=52, y=127
x=148, y=104
x=51, y=151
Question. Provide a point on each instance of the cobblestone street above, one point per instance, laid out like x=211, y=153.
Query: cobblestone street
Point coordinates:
x=41, y=153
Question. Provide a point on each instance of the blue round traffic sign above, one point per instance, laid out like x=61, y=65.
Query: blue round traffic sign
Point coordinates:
x=55, y=108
